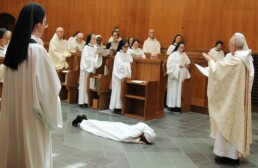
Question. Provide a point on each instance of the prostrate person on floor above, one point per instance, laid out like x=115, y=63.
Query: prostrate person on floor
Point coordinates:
x=139, y=133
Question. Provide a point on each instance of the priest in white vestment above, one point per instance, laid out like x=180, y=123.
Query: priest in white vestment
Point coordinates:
x=30, y=103
x=229, y=98
x=151, y=45
x=217, y=51
x=176, y=40
x=121, y=70
x=90, y=61
x=58, y=50
x=250, y=58
x=177, y=71
x=118, y=131
x=77, y=43
x=136, y=51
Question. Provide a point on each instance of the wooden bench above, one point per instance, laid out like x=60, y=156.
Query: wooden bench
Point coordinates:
x=69, y=79
x=99, y=92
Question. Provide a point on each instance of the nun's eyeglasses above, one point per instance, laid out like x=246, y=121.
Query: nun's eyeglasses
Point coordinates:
x=46, y=24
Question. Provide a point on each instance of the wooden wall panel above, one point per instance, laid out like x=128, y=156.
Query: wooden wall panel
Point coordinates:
x=200, y=22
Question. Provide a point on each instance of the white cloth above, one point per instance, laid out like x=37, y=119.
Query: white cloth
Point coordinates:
x=218, y=55
x=151, y=46
x=30, y=107
x=250, y=66
x=2, y=54
x=40, y=42
x=74, y=45
x=118, y=131
x=121, y=70
x=230, y=117
x=176, y=76
x=137, y=52
x=2, y=51
x=89, y=62
x=171, y=48
x=223, y=148
x=58, y=52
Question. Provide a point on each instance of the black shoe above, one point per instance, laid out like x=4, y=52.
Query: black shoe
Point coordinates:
x=172, y=109
x=77, y=120
x=84, y=117
x=225, y=160
x=83, y=105
x=117, y=111
x=178, y=109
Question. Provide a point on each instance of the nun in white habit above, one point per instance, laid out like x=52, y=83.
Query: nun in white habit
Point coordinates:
x=176, y=40
x=30, y=102
x=90, y=61
x=118, y=131
x=121, y=70
x=217, y=52
x=177, y=71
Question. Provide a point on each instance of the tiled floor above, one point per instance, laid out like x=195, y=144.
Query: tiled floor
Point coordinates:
x=182, y=142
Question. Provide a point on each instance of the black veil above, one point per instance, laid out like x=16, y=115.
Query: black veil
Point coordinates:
x=17, y=50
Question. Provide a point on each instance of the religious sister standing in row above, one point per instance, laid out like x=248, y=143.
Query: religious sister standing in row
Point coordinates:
x=121, y=70
x=217, y=51
x=177, y=70
x=176, y=40
x=30, y=103
x=136, y=51
x=112, y=45
x=90, y=61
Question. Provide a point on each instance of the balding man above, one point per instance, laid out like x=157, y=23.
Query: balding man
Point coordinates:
x=229, y=97
x=77, y=43
x=151, y=45
x=58, y=50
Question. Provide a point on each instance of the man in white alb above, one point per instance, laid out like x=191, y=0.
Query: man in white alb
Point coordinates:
x=151, y=45
x=58, y=50
x=76, y=44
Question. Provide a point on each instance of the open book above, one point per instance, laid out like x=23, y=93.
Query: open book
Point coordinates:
x=103, y=51
x=203, y=70
x=136, y=55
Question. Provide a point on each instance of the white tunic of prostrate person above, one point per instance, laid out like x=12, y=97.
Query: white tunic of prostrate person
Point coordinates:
x=90, y=61
x=118, y=131
x=171, y=48
x=176, y=76
x=30, y=108
x=151, y=46
x=218, y=55
x=137, y=52
x=121, y=70
x=58, y=52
